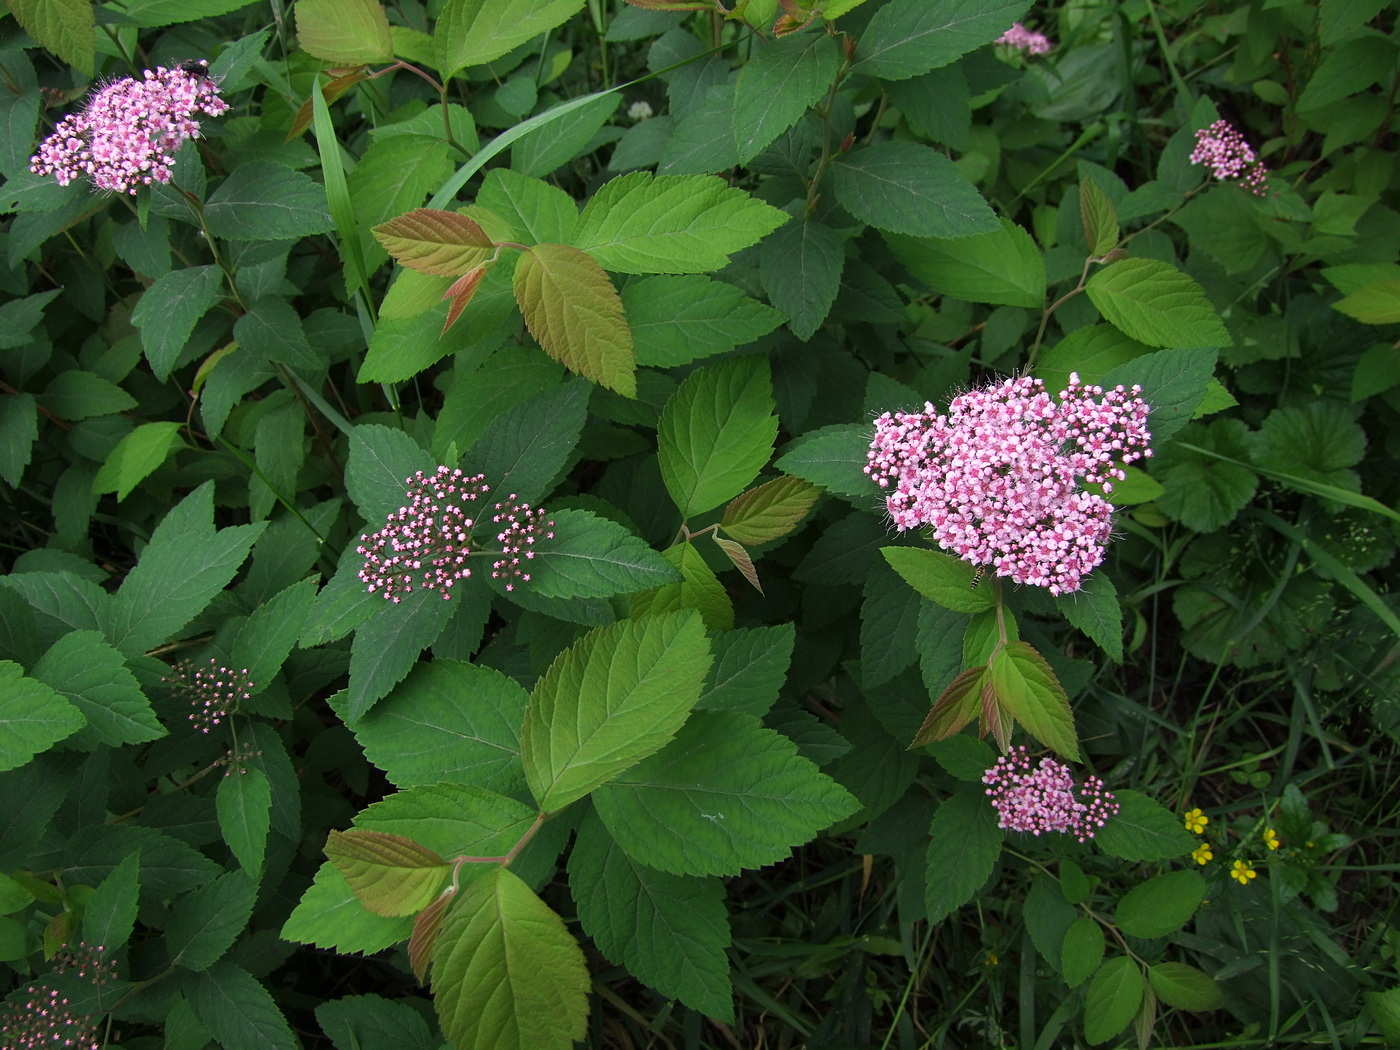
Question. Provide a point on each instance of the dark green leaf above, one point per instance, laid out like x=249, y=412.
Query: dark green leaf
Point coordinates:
x=260, y=201
x=778, y=83
x=169, y=309
x=800, y=267
x=909, y=37
x=908, y=188
x=964, y=848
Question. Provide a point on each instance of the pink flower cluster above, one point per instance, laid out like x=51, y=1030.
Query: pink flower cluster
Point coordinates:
x=44, y=1020
x=997, y=478
x=1224, y=150
x=127, y=134
x=1044, y=798
x=427, y=542
x=213, y=692
x=1029, y=41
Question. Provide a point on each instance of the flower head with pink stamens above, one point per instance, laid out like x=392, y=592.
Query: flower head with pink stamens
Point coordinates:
x=1045, y=798
x=1223, y=149
x=997, y=479
x=426, y=544
x=1027, y=40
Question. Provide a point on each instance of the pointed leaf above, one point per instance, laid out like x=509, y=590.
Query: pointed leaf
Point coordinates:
x=698, y=589
x=778, y=83
x=344, y=32
x=800, y=268
x=1097, y=214
x=909, y=37
x=964, y=846
x=244, y=805
x=679, y=319
x=1161, y=905
x=1114, y=996
x=168, y=311
x=205, y=922
x=237, y=1010
x=1184, y=987
x=939, y=577
x=592, y=557
x=423, y=942
x=1028, y=689
x=1155, y=303
x=391, y=875
x=959, y=705
x=92, y=676
x=739, y=557
x=770, y=511
x=1002, y=267
x=1142, y=830
x=474, y=32
x=905, y=187
x=111, y=911
x=439, y=243
x=750, y=668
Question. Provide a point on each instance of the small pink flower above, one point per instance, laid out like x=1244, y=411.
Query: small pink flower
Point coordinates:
x=213, y=692
x=997, y=479
x=1224, y=150
x=427, y=542
x=43, y=1020
x=127, y=134
x=1032, y=43
x=1045, y=798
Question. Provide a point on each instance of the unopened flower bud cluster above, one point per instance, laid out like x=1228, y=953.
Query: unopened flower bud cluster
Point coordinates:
x=127, y=134
x=998, y=478
x=427, y=543
x=1044, y=798
x=213, y=691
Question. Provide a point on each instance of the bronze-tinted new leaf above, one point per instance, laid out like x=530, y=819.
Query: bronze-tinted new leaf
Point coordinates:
x=425, y=931
x=740, y=557
x=461, y=292
x=770, y=511
x=957, y=707
x=390, y=874
x=441, y=243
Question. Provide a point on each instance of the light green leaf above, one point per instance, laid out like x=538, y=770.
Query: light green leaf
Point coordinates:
x=537, y=211
x=716, y=433
x=614, y=697
x=909, y=37
x=670, y=931
x=644, y=223
x=939, y=577
x=592, y=557
x=344, y=32
x=169, y=310
x=400, y=349
x=726, y=794
x=390, y=874
x=770, y=511
x=244, y=805
x=779, y=82
x=75, y=395
x=261, y=201
x=676, y=320
x=1003, y=267
x=506, y=973
x=1161, y=905
x=329, y=915
x=574, y=312
x=92, y=676
x=1155, y=303
x=205, y=922
x=1114, y=995
x=1143, y=830
x=1083, y=950
x=159, y=13
x=237, y=1010
x=473, y=32
x=962, y=851
x=1184, y=987
x=1029, y=690
x=1092, y=351
x=448, y=722
x=1099, y=219
x=137, y=455
x=833, y=457
x=65, y=27
x=698, y=589
x=905, y=187
x=111, y=911
x=800, y=268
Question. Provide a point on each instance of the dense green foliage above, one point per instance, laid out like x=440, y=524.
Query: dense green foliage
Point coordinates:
x=705, y=768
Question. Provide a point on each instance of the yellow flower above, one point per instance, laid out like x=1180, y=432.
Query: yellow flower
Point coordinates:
x=1243, y=870
x=1202, y=853
x=1196, y=821
x=1271, y=838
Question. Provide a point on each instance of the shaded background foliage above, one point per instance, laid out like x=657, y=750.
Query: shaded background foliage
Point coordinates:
x=209, y=391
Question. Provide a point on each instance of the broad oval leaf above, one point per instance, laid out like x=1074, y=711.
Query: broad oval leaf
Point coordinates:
x=1155, y=303
x=770, y=511
x=1002, y=267
x=1161, y=905
x=391, y=874
x=905, y=187
x=939, y=577
x=1028, y=689
x=435, y=242
x=1114, y=995
x=344, y=32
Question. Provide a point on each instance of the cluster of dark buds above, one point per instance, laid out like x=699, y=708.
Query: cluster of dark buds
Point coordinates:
x=89, y=961
x=44, y=1020
x=1044, y=798
x=427, y=543
x=213, y=691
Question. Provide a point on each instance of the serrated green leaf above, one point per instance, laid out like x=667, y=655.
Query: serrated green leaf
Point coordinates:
x=244, y=805
x=358, y=1022
x=726, y=794
x=1114, y=995
x=237, y=1010
x=268, y=637
x=93, y=677
x=1199, y=490
x=574, y=312
x=525, y=448
x=387, y=645
x=833, y=457
x=592, y=557
x=614, y=697
x=65, y=27
x=547, y=147
x=909, y=37
x=749, y=669
x=1161, y=905
x=537, y=211
x=1319, y=441
x=1048, y=918
x=1028, y=689
x=1082, y=953
x=272, y=328
x=1143, y=830
x=137, y=455
x=716, y=433
x=390, y=874
x=159, y=13
x=329, y=915
x=344, y=32
x=1155, y=303
x=506, y=973
x=962, y=851
x=644, y=223
x=75, y=395
x=205, y=922
x=1092, y=351
x=908, y=188
x=1184, y=987
x=770, y=511
x=261, y=201
x=448, y=721
x=1097, y=214
x=19, y=429
x=800, y=268
x=382, y=459
x=1094, y=609
x=958, y=705
x=779, y=82
x=170, y=308
x=670, y=931
x=1173, y=382
x=679, y=319
x=698, y=589
x=111, y=911
x=939, y=577
x=168, y=866
x=889, y=625
x=473, y=32
x=1002, y=267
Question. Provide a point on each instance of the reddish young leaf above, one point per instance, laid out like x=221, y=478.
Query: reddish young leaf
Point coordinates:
x=331, y=91
x=461, y=292
x=441, y=243
x=740, y=557
x=391, y=875
x=425, y=931
x=953, y=710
